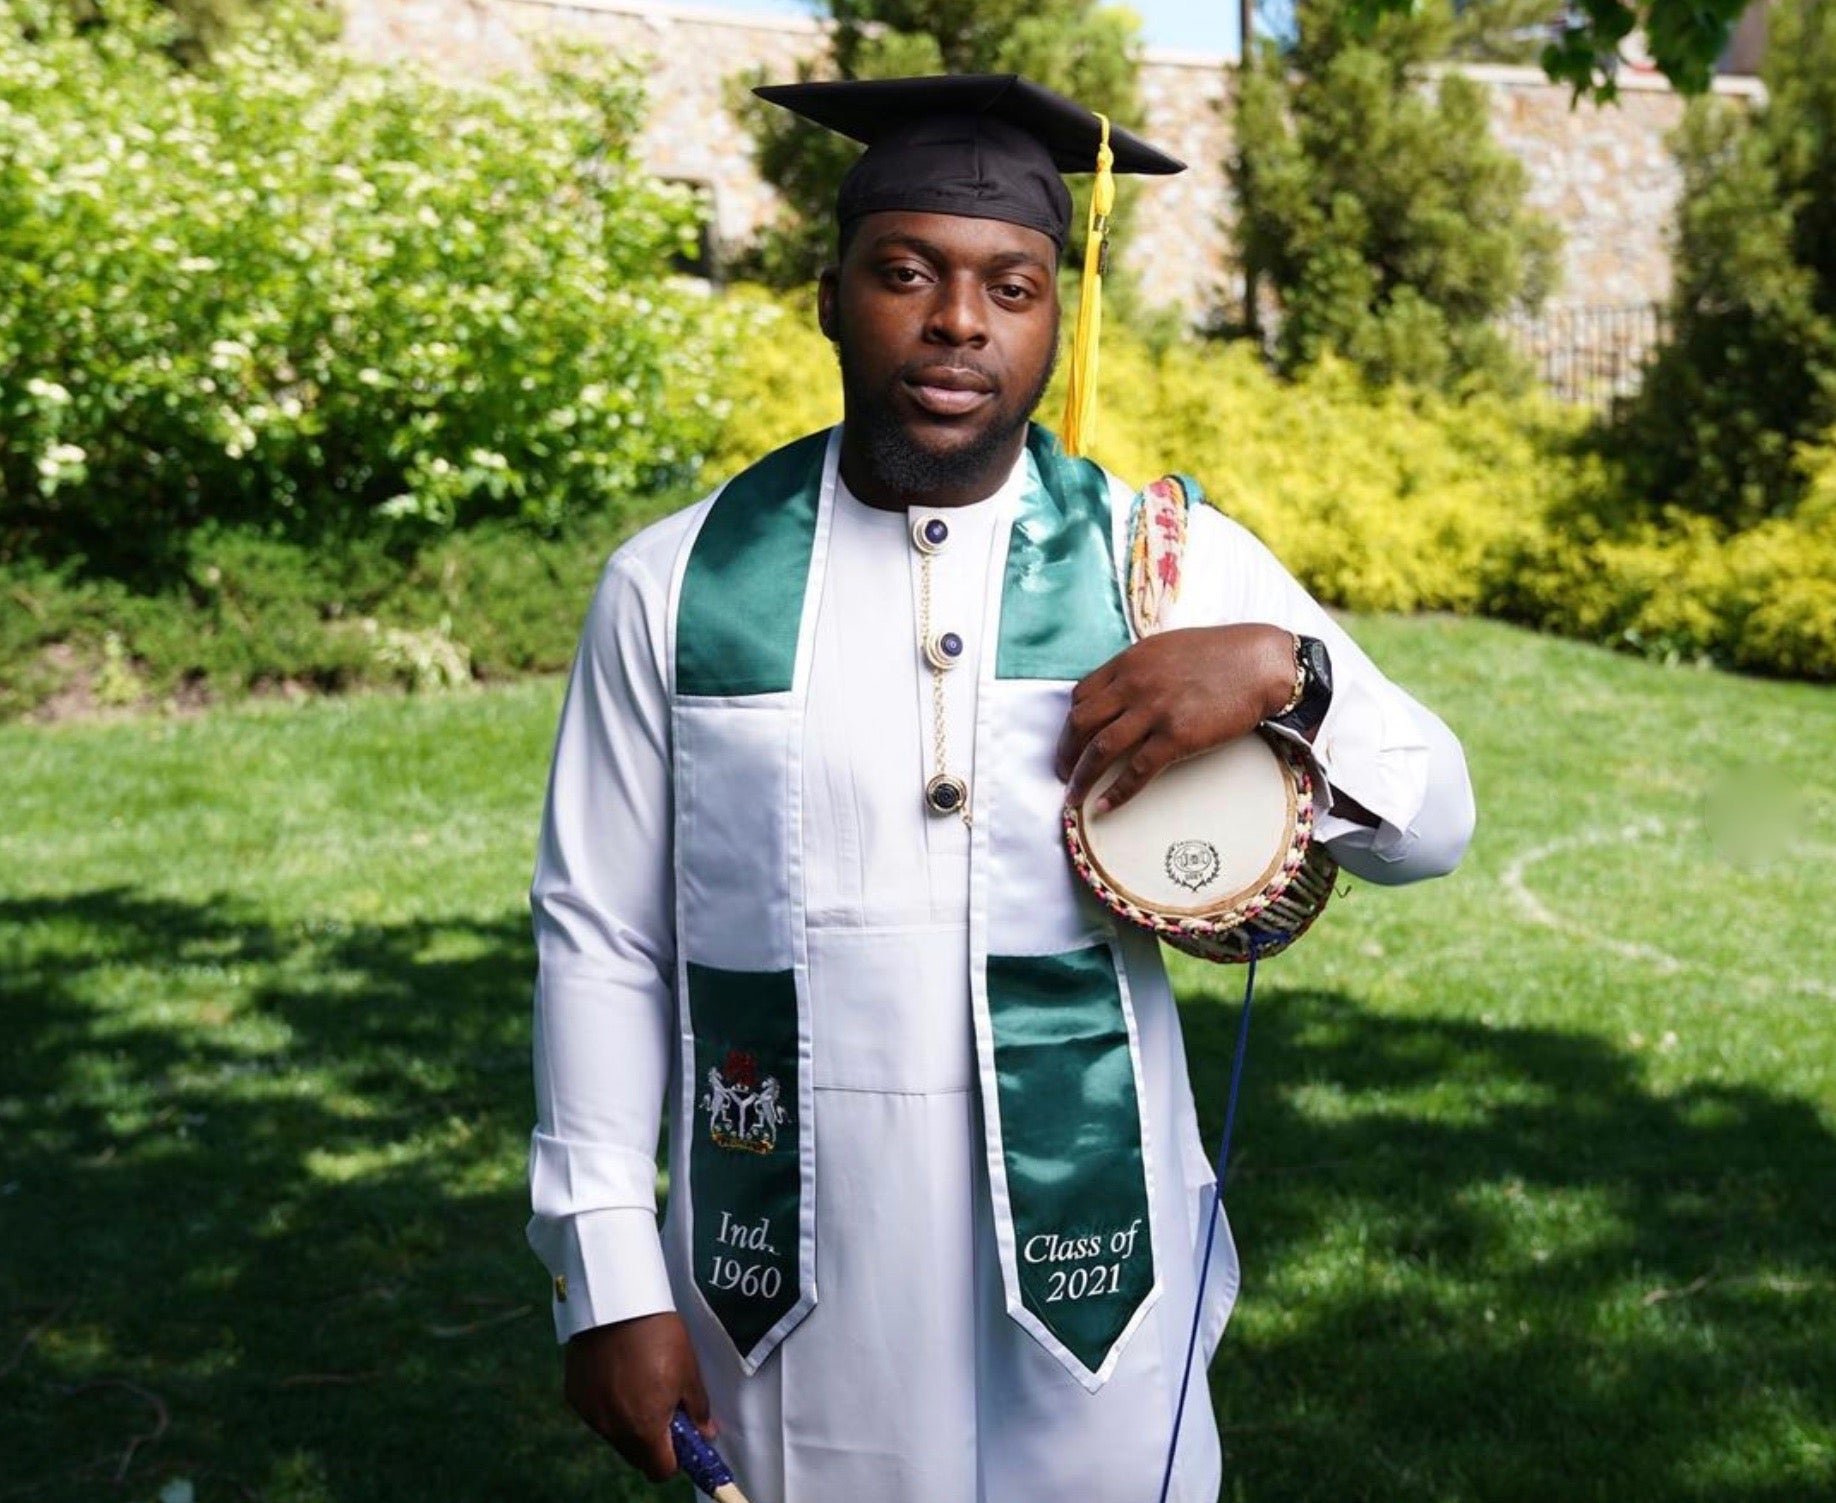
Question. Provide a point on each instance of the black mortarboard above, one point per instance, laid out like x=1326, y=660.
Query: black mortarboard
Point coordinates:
x=983, y=145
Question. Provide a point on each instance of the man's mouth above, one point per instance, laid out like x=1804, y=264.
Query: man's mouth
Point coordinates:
x=948, y=390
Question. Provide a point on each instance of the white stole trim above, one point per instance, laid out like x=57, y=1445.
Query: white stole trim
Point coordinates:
x=711, y=948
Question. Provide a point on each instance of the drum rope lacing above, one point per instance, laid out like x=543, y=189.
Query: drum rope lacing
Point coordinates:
x=1291, y=902
x=1217, y=1203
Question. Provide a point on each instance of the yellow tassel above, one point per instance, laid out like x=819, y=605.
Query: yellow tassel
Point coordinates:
x=1078, y=431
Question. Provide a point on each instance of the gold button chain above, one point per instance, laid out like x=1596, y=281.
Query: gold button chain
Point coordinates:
x=944, y=793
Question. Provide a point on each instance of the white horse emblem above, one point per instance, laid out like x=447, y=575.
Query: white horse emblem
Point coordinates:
x=744, y=1112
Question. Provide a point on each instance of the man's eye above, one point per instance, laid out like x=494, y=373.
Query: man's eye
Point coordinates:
x=904, y=275
x=1013, y=292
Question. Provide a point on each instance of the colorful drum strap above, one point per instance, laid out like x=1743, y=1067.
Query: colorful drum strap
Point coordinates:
x=1156, y=543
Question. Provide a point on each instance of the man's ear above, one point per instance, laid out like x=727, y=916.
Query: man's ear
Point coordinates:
x=828, y=287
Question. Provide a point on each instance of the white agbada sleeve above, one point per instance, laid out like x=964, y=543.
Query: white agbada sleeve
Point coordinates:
x=603, y=909
x=1377, y=744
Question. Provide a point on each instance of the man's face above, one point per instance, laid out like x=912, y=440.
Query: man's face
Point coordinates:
x=947, y=329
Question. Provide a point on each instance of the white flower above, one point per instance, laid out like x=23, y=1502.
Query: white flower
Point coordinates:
x=241, y=436
x=61, y=462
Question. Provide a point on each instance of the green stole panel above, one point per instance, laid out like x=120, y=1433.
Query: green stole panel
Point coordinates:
x=738, y=619
x=743, y=1156
x=1064, y=1069
x=1071, y=1143
x=1061, y=608
x=742, y=594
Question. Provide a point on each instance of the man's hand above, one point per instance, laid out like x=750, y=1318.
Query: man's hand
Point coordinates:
x=1168, y=697
x=626, y=1379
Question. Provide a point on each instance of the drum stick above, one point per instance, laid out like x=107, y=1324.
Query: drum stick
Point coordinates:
x=701, y=1463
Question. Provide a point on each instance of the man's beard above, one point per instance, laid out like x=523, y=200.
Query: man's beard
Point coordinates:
x=903, y=465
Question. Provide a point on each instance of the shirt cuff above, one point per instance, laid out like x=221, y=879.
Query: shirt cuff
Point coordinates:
x=604, y=1266
x=1370, y=753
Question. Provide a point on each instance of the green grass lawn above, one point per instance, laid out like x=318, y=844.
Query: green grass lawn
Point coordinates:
x=1536, y=1189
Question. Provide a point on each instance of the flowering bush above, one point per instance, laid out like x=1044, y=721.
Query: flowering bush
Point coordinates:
x=316, y=297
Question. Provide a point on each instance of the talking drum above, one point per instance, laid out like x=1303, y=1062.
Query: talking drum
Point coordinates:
x=1215, y=855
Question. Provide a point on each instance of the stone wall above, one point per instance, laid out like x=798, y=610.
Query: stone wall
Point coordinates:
x=691, y=58
x=1604, y=174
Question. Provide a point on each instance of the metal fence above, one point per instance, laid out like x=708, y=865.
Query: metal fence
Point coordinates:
x=1591, y=354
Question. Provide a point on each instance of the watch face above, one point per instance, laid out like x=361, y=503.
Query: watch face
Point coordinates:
x=1318, y=663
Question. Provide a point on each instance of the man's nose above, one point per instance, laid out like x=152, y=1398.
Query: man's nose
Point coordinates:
x=956, y=314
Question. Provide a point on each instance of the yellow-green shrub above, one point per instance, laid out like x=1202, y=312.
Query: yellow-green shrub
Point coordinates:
x=782, y=383
x=1763, y=599
x=1397, y=501
x=1376, y=501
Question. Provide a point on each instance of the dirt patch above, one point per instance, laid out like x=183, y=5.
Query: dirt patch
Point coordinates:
x=80, y=684
x=74, y=698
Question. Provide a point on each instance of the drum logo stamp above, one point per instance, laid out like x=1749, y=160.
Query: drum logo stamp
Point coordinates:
x=744, y=1113
x=1192, y=863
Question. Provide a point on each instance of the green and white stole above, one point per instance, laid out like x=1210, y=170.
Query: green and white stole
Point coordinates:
x=1056, y=1048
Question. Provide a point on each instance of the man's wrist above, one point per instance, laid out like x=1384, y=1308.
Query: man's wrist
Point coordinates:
x=1310, y=693
x=1294, y=682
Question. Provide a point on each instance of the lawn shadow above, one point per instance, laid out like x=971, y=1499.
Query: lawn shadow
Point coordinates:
x=293, y=1229
x=1545, y=1279
x=287, y=1238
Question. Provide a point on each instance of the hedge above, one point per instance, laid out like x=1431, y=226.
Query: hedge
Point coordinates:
x=1762, y=599
x=1393, y=500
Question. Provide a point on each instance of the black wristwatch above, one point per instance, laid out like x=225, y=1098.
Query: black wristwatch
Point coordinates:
x=1313, y=688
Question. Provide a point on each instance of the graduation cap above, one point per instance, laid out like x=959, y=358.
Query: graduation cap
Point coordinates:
x=985, y=146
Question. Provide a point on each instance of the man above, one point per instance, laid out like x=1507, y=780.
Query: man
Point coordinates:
x=936, y=1189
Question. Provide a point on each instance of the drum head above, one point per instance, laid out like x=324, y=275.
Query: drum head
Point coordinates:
x=1201, y=839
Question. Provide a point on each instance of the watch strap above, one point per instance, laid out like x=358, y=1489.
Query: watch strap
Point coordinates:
x=1313, y=674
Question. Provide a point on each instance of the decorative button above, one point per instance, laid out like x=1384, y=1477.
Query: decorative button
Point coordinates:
x=929, y=534
x=946, y=794
x=943, y=650
x=561, y=1289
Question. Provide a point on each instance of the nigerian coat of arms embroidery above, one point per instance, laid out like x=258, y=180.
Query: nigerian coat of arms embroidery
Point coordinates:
x=744, y=1112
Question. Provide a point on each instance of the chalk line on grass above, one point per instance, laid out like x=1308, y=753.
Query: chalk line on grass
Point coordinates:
x=1536, y=911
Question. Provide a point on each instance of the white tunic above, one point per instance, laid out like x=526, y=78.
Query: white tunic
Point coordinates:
x=907, y=1382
